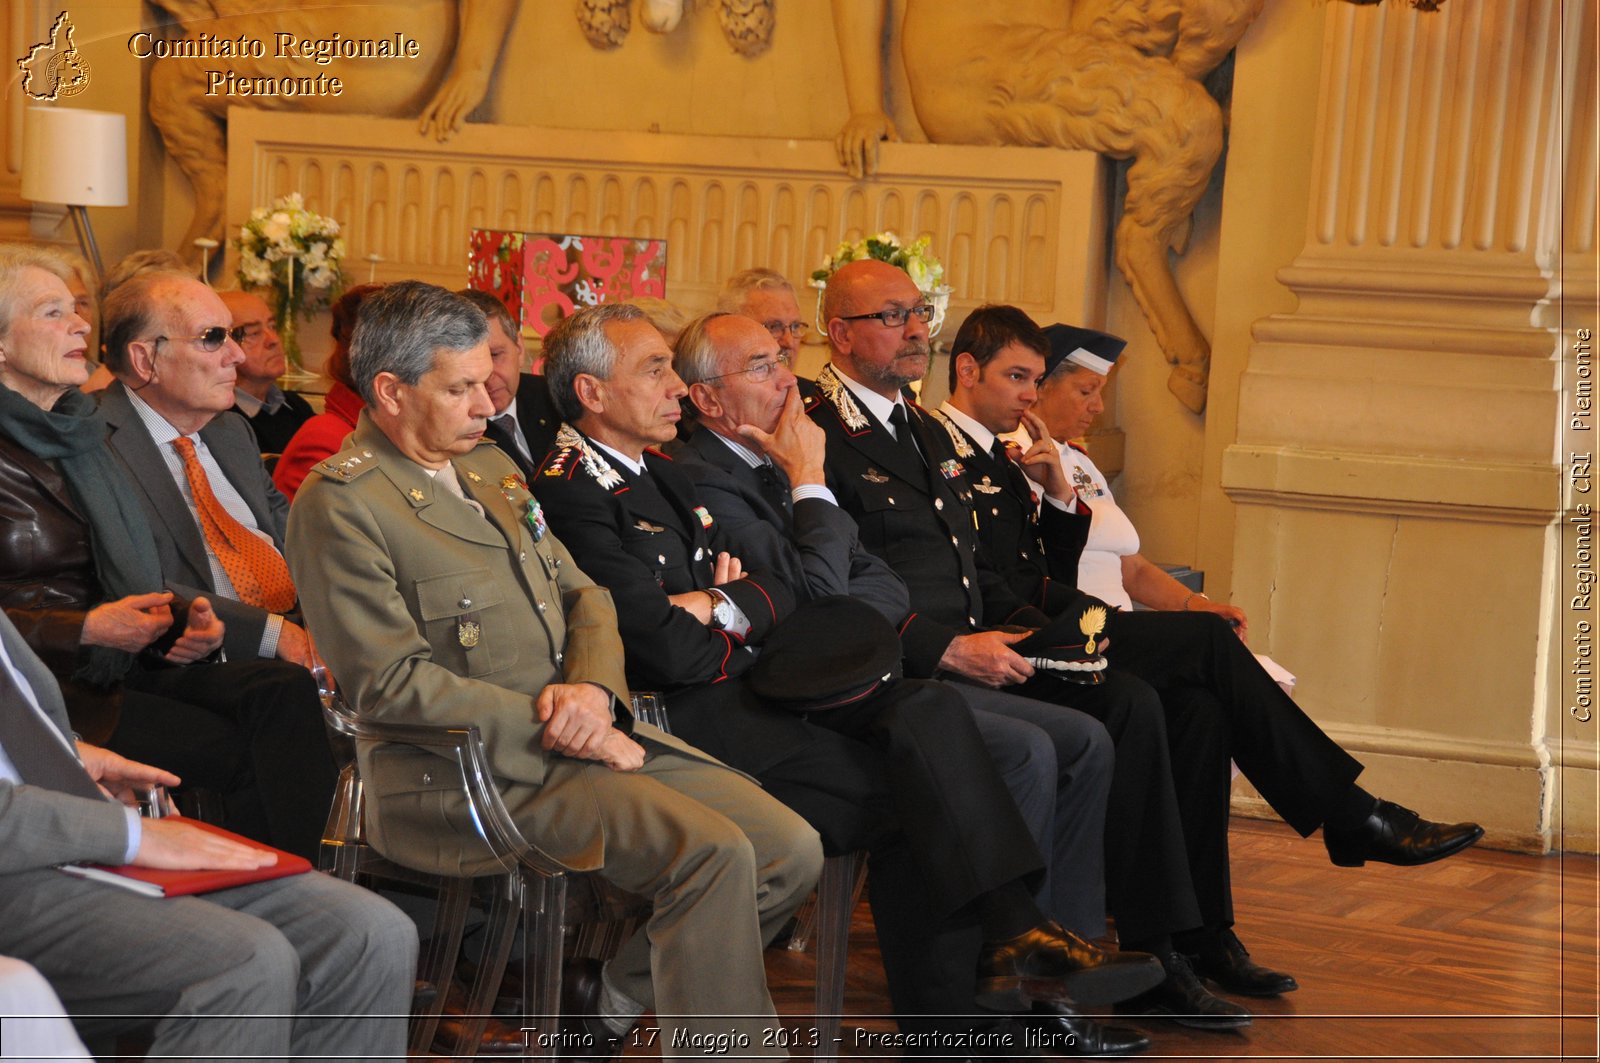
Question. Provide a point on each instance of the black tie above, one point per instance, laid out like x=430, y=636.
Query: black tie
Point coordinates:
x=499, y=430
x=902, y=432
x=34, y=748
x=774, y=487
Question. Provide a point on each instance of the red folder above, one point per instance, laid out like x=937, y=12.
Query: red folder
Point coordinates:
x=155, y=882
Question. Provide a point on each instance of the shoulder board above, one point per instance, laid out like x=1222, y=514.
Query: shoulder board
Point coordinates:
x=347, y=464
x=1079, y=449
x=561, y=462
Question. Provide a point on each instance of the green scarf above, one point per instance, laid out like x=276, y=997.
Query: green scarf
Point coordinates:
x=73, y=436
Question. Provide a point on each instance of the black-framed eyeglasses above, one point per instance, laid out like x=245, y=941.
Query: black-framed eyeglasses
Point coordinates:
x=758, y=371
x=780, y=329
x=208, y=340
x=250, y=331
x=895, y=316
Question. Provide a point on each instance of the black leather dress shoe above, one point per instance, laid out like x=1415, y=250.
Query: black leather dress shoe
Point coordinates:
x=1186, y=1002
x=1227, y=963
x=583, y=1034
x=1394, y=835
x=1056, y=1030
x=1052, y=963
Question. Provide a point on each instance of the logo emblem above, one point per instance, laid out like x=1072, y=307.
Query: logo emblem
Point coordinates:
x=54, y=69
x=873, y=476
x=468, y=633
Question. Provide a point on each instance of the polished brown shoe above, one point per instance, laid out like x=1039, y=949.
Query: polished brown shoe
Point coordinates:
x=1394, y=835
x=1051, y=963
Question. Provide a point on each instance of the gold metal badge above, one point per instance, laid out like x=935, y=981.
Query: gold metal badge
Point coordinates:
x=468, y=633
x=416, y=494
x=1091, y=623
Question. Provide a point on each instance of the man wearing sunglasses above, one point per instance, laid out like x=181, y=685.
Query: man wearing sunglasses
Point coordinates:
x=275, y=414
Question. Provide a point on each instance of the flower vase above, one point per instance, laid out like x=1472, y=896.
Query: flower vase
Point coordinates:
x=289, y=337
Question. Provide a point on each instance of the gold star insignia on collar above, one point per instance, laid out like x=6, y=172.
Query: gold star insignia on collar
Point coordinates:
x=416, y=494
x=474, y=477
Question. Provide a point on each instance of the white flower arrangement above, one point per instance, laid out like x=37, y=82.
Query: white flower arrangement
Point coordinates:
x=296, y=253
x=926, y=272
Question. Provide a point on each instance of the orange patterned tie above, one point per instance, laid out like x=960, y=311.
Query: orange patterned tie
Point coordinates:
x=260, y=575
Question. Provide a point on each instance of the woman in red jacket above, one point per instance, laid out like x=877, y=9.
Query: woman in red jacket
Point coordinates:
x=324, y=433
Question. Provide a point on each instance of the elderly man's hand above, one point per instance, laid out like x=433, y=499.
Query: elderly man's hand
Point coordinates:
x=796, y=444
x=620, y=753
x=987, y=657
x=128, y=624
x=295, y=646
x=576, y=718
x=201, y=635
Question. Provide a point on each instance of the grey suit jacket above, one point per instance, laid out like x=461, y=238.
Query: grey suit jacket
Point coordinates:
x=41, y=827
x=177, y=531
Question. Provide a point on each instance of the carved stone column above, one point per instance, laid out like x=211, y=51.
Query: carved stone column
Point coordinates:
x=1396, y=458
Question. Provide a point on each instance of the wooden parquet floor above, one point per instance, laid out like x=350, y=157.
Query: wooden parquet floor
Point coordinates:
x=1488, y=955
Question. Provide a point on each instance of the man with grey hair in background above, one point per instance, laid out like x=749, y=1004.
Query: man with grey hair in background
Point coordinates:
x=444, y=599
x=766, y=297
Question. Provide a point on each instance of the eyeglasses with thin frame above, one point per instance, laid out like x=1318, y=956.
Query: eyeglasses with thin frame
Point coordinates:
x=758, y=372
x=780, y=329
x=209, y=339
x=895, y=316
x=250, y=331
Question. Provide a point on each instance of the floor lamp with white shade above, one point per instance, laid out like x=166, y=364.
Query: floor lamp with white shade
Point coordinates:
x=77, y=158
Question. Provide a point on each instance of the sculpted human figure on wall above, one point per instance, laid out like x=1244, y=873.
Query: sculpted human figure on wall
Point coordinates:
x=1120, y=77
x=442, y=86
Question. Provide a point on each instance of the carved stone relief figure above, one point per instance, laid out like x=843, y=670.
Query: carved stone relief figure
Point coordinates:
x=1120, y=77
x=443, y=85
x=746, y=24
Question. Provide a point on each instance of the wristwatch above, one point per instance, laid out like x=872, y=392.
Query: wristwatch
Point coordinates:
x=721, y=611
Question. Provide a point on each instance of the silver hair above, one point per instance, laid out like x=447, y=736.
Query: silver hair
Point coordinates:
x=579, y=344
x=404, y=326
x=740, y=285
x=694, y=356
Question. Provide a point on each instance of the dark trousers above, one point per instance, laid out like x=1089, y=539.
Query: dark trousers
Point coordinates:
x=252, y=730
x=1301, y=772
x=953, y=808
x=1148, y=886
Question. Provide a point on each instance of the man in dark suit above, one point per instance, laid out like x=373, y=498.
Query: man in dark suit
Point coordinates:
x=524, y=422
x=274, y=414
x=219, y=529
x=757, y=462
x=893, y=469
x=689, y=616
x=305, y=965
x=1193, y=659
